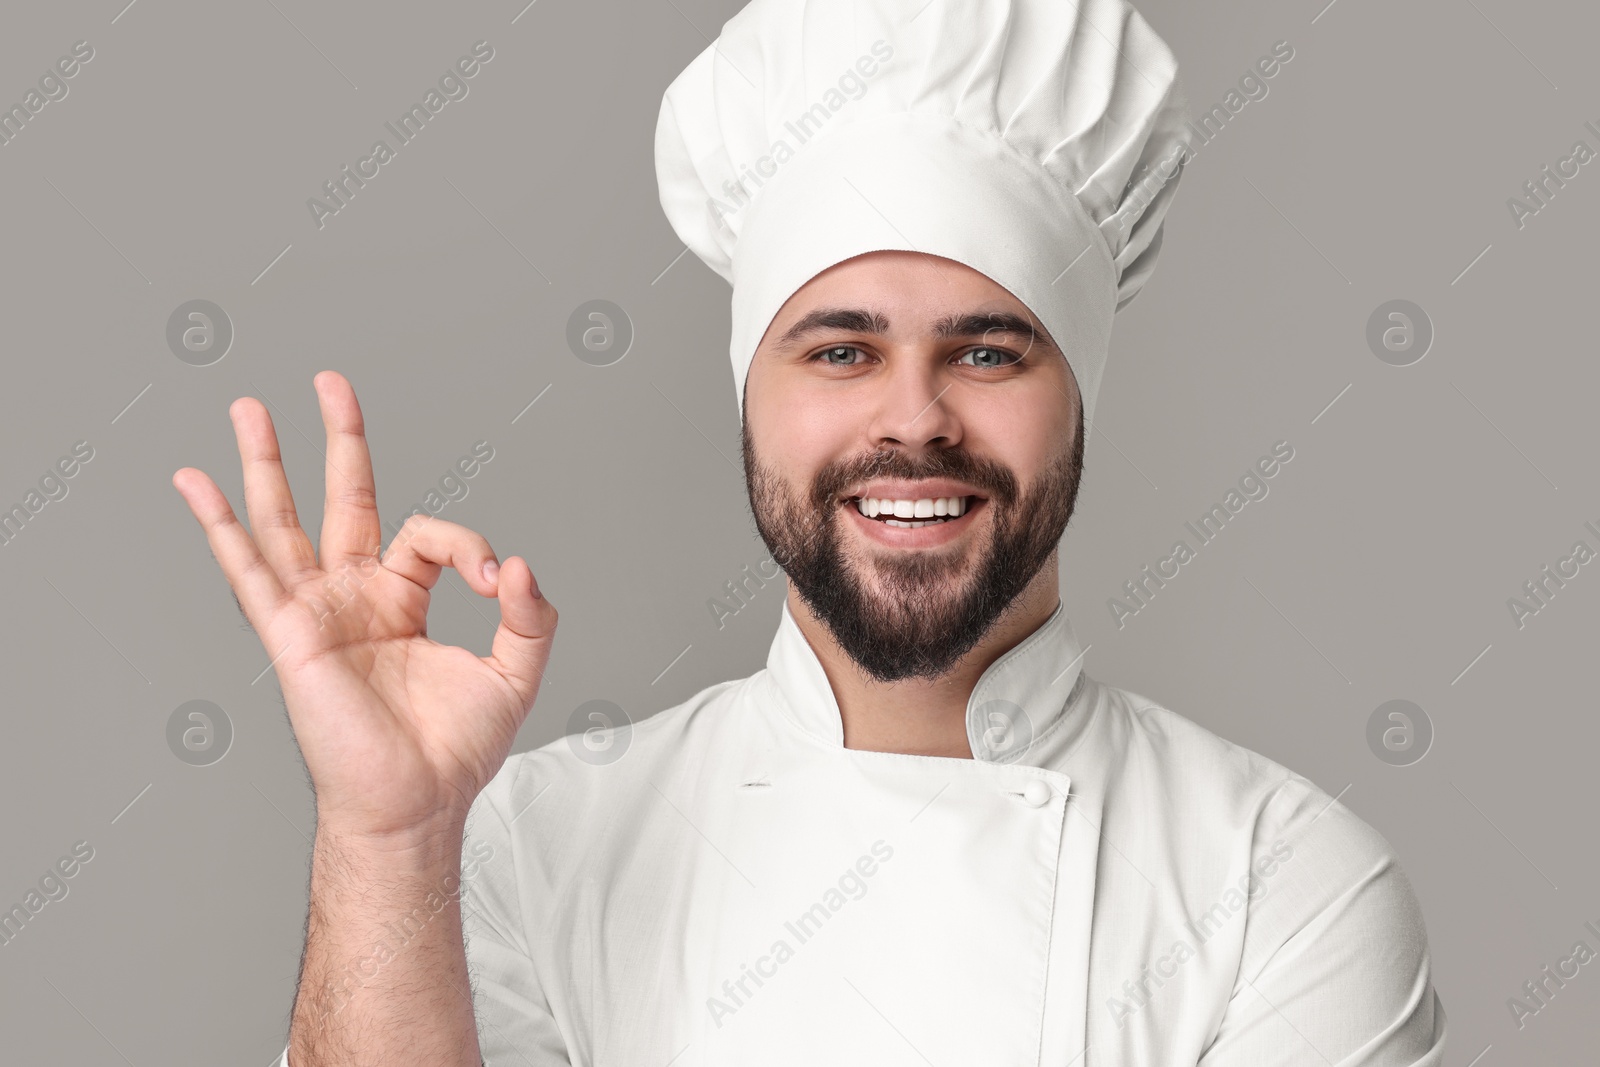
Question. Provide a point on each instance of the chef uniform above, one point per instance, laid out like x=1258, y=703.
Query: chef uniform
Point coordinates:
x=1104, y=883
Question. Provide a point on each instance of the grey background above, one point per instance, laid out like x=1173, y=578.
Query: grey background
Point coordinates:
x=1379, y=567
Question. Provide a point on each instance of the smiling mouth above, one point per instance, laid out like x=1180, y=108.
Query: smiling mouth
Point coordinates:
x=912, y=514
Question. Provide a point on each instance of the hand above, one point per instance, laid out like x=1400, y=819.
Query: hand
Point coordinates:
x=399, y=732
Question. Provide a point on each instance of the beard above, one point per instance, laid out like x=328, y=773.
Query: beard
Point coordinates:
x=903, y=614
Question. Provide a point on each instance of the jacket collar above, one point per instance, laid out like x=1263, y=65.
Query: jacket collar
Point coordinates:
x=1023, y=695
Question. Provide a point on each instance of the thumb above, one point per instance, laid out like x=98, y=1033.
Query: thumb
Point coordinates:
x=527, y=629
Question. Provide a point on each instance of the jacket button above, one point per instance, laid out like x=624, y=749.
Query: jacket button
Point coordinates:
x=1037, y=793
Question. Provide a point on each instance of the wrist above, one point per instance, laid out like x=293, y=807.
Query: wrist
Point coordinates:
x=435, y=843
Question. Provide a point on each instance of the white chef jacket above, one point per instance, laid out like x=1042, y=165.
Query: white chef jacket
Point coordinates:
x=739, y=888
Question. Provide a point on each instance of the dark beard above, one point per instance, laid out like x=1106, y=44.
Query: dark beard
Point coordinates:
x=927, y=617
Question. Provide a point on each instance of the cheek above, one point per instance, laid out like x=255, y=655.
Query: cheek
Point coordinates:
x=1024, y=431
x=791, y=454
x=822, y=430
x=800, y=432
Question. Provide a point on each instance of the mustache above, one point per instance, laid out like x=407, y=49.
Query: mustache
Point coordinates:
x=992, y=479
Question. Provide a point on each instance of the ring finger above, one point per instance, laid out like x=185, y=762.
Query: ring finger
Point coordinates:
x=273, y=520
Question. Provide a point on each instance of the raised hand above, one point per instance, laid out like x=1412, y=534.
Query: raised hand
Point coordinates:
x=399, y=732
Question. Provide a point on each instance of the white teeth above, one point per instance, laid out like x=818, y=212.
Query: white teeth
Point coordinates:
x=925, y=508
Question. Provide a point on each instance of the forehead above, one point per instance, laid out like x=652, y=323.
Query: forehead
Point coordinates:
x=897, y=291
x=904, y=277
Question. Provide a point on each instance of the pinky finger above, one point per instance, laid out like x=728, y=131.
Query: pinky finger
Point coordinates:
x=254, y=582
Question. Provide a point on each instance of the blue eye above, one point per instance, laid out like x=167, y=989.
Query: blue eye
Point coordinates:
x=826, y=352
x=999, y=357
x=1014, y=358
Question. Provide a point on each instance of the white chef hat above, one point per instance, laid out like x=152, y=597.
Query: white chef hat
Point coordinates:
x=1035, y=141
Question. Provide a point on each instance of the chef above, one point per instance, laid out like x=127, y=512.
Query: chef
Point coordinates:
x=923, y=834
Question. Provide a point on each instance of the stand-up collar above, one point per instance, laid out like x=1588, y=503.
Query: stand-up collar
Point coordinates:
x=1020, y=697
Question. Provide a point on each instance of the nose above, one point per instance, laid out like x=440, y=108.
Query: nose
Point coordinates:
x=914, y=409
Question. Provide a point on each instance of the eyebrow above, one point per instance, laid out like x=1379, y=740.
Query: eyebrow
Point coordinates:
x=865, y=320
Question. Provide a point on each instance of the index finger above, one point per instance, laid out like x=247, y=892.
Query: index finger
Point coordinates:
x=350, y=528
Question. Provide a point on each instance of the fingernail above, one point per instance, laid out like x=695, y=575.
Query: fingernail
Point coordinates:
x=534, y=582
x=491, y=571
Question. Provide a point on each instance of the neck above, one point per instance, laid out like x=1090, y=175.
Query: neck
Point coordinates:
x=921, y=716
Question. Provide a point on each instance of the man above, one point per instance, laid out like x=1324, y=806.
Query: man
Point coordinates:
x=922, y=834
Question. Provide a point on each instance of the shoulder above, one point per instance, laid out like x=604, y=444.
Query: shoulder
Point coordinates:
x=1214, y=790
x=1155, y=745
x=1319, y=883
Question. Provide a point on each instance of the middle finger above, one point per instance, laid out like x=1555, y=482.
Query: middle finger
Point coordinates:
x=351, y=531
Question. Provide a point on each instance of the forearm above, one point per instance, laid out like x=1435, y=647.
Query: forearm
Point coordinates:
x=384, y=976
